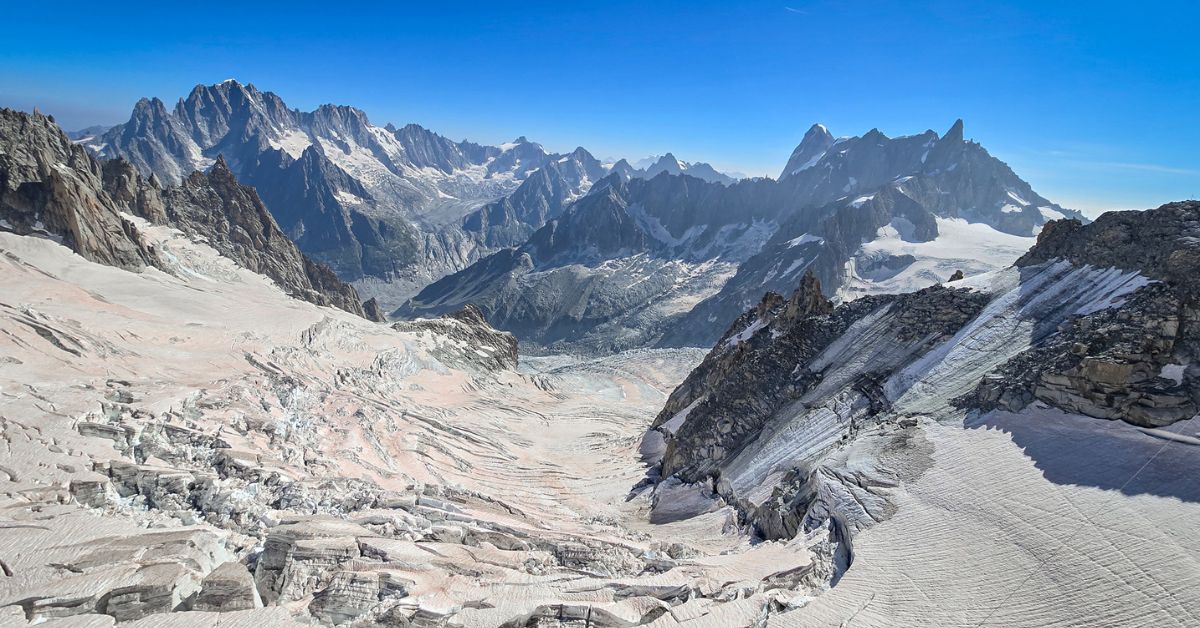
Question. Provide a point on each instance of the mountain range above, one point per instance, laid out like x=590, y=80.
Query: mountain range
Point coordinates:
x=200, y=425
x=394, y=208
x=54, y=188
x=569, y=252
x=666, y=260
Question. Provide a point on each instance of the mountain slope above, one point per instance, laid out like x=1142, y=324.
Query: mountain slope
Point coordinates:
x=909, y=212
x=670, y=164
x=613, y=267
x=653, y=261
x=55, y=188
x=396, y=208
x=52, y=187
x=1095, y=320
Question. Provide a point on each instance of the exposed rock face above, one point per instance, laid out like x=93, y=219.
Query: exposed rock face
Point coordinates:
x=745, y=380
x=126, y=577
x=1136, y=363
x=670, y=164
x=795, y=412
x=543, y=196
x=52, y=187
x=55, y=188
x=468, y=339
x=884, y=215
x=394, y=207
x=330, y=214
x=639, y=262
x=231, y=217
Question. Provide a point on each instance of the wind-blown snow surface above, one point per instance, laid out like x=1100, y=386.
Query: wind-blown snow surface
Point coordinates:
x=1032, y=519
x=1036, y=518
x=369, y=428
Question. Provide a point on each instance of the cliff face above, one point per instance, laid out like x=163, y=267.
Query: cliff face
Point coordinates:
x=1138, y=363
x=235, y=222
x=52, y=187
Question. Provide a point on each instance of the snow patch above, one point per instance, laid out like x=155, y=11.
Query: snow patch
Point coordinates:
x=1173, y=372
x=673, y=424
x=746, y=333
x=293, y=142
x=804, y=239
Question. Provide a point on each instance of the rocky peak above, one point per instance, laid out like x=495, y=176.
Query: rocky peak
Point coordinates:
x=816, y=141
x=1162, y=243
x=807, y=300
x=473, y=343
x=220, y=168
x=236, y=222
x=668, y=163
x=955, y=134
x=51, y=187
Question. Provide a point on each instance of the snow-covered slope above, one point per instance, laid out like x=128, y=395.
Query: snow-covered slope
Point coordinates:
x=869, y=422
x=199, y=443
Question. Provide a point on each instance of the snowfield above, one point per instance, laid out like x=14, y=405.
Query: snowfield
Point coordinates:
x=973, y=248
x=499, y=497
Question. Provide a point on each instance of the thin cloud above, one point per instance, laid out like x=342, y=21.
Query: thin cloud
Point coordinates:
x=1148, y=168
x=1078, y=158
x=795, y=10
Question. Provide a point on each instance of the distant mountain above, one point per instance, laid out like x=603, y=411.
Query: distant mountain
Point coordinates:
x=357, y=196
x=512, y=219
x=667, y=260
x=650, y=167
x=87, y=134
x=54, y=188
x=898, y=215
x=391, y=208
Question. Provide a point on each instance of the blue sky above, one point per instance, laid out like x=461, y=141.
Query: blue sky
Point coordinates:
x=1095, y=103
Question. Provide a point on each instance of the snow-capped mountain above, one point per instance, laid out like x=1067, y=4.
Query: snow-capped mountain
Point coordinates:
x=391, y=208
x=617, y=264
x=668, y=259
x=361, y=197
x=897, y=215
x=651, y=166
x=55, y=189
x=540, y=197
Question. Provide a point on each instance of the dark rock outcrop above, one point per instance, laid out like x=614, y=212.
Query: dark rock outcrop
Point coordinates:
x=54, y=188
x=762, y=363
x=235, y=222
x=1100, y=320
x=1136, y=363
x=468, y=340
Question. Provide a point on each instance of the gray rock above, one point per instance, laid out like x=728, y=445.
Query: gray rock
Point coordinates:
x=229, y=587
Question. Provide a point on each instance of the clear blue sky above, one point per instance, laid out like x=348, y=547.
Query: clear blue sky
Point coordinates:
x=1097, y=104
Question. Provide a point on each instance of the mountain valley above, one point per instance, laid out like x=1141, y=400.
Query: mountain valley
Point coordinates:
x=260, y=367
